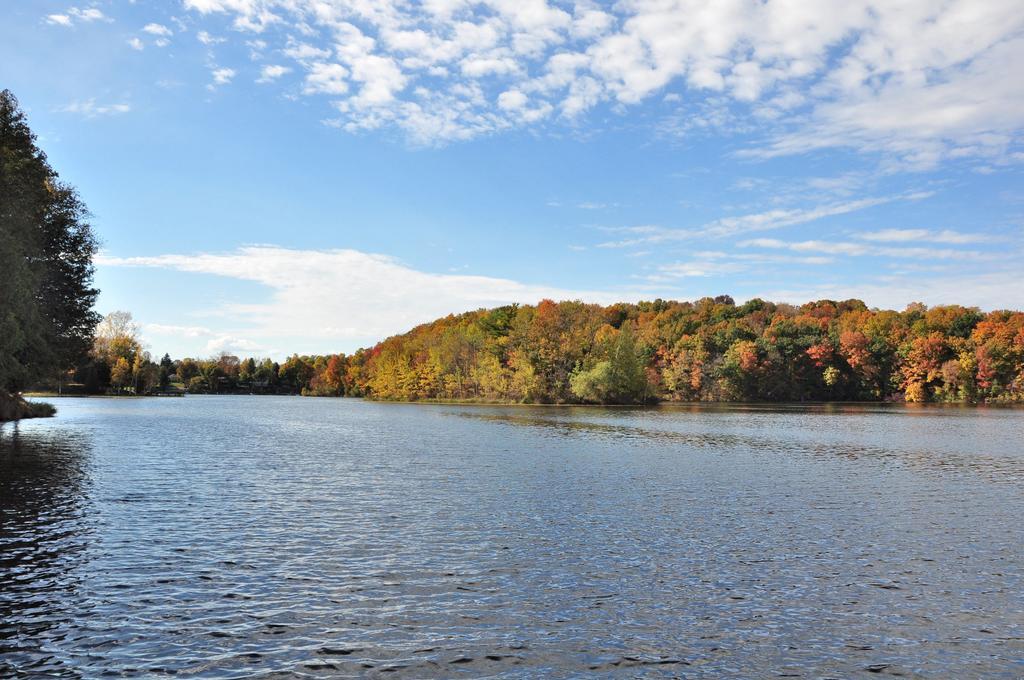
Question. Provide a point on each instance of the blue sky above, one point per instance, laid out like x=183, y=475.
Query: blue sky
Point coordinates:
x=270, y=176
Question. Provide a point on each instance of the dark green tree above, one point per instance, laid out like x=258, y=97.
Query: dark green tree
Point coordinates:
x=46, y=270
x=164, y=372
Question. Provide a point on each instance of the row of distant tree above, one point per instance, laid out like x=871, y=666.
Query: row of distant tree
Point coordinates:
x=118, y=364
x=571, y=352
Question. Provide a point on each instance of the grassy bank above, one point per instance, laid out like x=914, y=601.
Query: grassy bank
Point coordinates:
x=13, y=407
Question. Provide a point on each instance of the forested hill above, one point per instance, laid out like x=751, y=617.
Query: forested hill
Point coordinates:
x=708, y=350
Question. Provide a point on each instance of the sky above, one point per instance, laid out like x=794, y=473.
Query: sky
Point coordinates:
x=311, y=176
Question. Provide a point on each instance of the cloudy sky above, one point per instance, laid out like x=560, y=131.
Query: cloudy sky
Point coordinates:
x=270, y=176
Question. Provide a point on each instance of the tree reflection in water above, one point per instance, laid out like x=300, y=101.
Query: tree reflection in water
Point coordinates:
x=45, y=529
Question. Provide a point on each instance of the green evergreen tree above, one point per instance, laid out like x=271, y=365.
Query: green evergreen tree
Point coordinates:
x=46, y=250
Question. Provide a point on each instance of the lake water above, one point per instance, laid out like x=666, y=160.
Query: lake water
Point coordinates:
x=280, y=537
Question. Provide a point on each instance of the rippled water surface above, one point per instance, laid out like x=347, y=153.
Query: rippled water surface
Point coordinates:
x=281, y=537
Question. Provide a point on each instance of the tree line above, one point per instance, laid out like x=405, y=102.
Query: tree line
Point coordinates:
x=707, y=350
x=119, y=364
x=571, y=352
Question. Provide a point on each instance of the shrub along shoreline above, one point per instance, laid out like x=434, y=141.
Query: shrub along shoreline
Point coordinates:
x=14, y=407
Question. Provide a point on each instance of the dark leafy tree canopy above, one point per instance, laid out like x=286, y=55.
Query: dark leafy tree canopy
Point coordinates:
x=46, y=270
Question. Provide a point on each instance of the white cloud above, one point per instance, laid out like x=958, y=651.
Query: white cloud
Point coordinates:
x=995, y=290
x=763, y=243
x=940, y=254
x=207, y=39
x=221, y=76
x=710, y=263
x=272, y=72
x=914, y=81
x=923, y=108
x=904, y=235
x=76, y=15
x=381, y=77
x=590, y=22
x=172, y=329
x=88, y=14
x=816, y=246
x=476, y=66
x=157, y=30
x=763, y=221
x=224, y=343
x=512, y=100
x=859, y=249
x=250, y=15
x=214, y=342
x=326, y=79
x=339, y=299
x=304, y=52
x=702, y=268
x=90, y=109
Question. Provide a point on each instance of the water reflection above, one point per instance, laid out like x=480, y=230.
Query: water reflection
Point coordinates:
x=774, y=436
x=44, y=535
x=233, y=536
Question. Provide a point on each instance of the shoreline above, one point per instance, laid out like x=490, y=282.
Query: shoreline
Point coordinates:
x=14, y=407
x=473, y=402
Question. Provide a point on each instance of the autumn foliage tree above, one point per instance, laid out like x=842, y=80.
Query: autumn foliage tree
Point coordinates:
x=707, y=350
